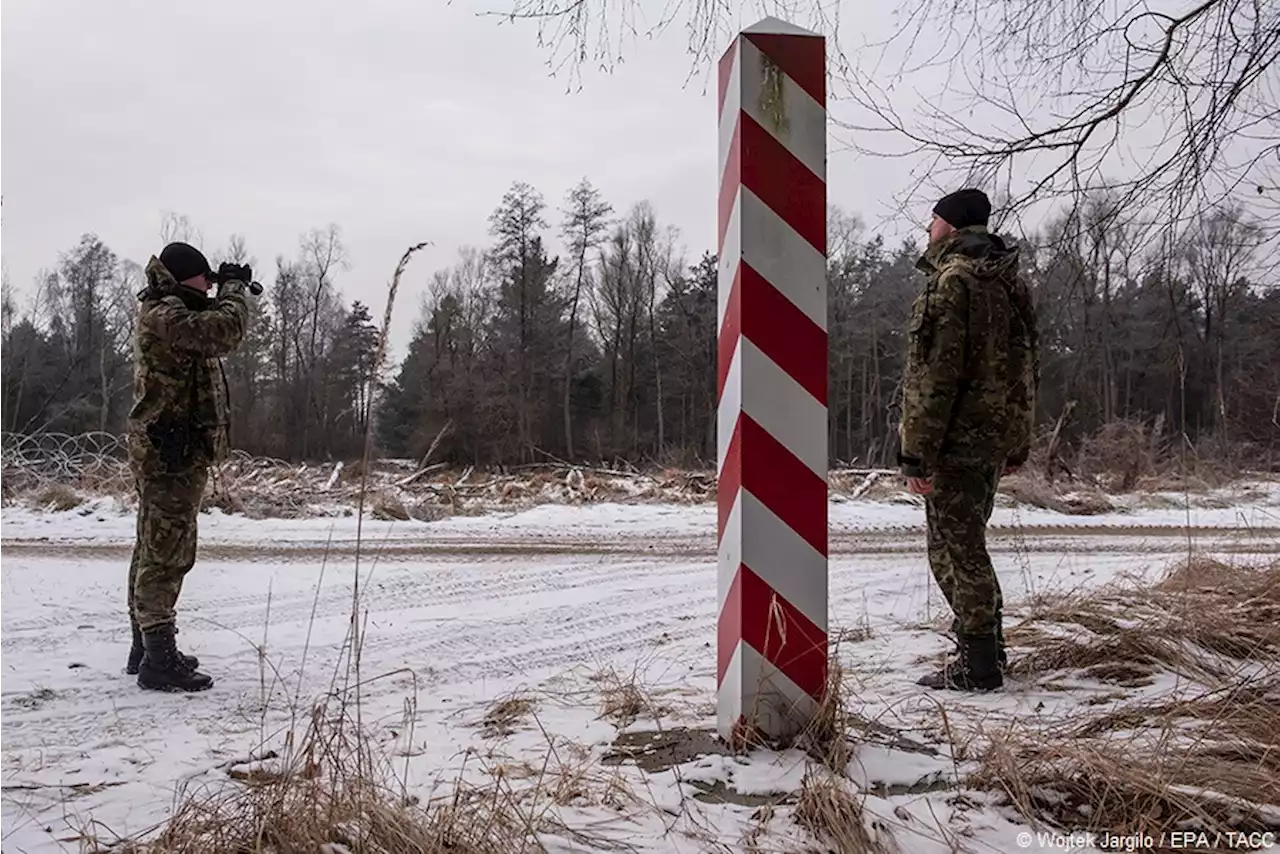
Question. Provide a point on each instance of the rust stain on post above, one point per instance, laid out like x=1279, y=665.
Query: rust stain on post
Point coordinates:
x=772, y=105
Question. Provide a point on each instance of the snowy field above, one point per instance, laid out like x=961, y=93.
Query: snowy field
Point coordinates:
x=559, y=605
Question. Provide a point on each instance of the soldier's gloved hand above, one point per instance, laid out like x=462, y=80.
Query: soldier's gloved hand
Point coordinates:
x=237, y=272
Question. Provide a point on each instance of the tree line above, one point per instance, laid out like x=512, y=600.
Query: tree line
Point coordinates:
x=301, y=385
x=606, y=351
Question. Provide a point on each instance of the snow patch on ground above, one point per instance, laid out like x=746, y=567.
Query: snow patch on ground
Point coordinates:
x=455, y=634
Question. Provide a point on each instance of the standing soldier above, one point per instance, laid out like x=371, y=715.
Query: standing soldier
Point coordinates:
x=177, y=429
x=967, y=415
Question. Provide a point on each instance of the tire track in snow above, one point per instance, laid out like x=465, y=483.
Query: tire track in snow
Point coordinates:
x=547, y=618
x=872, y=540
x=510, y=640
x=453, y=588
x=485, y=619
x=552, y=616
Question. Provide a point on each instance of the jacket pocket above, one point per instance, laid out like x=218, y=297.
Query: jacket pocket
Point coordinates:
x=918, y=333
x=171, y=437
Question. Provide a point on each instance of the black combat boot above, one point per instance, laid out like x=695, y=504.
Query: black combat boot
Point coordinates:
x=135, y=652
x=163, y=668
x=1004, y=657
x=976, y=668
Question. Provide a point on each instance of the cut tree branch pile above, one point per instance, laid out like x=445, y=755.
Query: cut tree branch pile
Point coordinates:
x=59, y=473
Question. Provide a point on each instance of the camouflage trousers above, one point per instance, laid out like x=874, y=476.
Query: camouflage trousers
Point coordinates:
x=957, y=511
x=165, y=549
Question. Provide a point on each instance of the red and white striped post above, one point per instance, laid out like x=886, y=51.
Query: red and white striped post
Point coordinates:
x=772, y=382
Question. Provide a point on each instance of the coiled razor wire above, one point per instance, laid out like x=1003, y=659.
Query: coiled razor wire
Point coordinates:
x=95, y=460
x=42, y=459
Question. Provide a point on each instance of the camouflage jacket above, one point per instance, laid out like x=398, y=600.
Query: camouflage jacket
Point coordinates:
x=180, y=418
x=968, y=395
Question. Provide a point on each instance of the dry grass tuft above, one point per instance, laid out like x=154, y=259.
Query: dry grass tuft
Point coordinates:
x=572, y=776
x=388, y=507
x=504, y=714
x=1123, y=451
x=829, y=811
x=1135, y=455
x=331, y=792
x=1031, y=488
x=623, y=698
x=1202, y=575
x=755, y=836
x=1207, y=763
x=1200, y=621
x=826, y=737
x=226, y=500
x=569, y=775
x=58, y=497
x=1206, y=758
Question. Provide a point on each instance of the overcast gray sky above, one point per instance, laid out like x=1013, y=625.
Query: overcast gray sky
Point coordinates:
x=400, y=121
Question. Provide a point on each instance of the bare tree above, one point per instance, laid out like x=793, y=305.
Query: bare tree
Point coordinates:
x=1219, y=254
x=1171, y=107
x=577, y=32
x=1172, y=110
x=8, y=311
x=615, y=307
x=586, y=222
x=247, y=365
x=237, y=251
x=322, y=255
x=178, y=227
x=8, y=307
x=654, y=253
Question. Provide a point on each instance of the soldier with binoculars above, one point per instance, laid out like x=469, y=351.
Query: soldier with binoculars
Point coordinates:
x=177, y=430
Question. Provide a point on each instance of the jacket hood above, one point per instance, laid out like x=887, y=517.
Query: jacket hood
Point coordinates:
x=975, y=248
x=161, y=283
x=158, y=276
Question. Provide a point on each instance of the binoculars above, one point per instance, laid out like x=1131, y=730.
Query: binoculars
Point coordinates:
x=254, y=287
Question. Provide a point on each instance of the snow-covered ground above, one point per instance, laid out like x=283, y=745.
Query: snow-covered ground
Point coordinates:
x=466, y=611
x=105, y=521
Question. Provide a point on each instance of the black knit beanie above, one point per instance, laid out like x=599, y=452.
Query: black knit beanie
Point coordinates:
x=184, y=261
x=964, y=208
